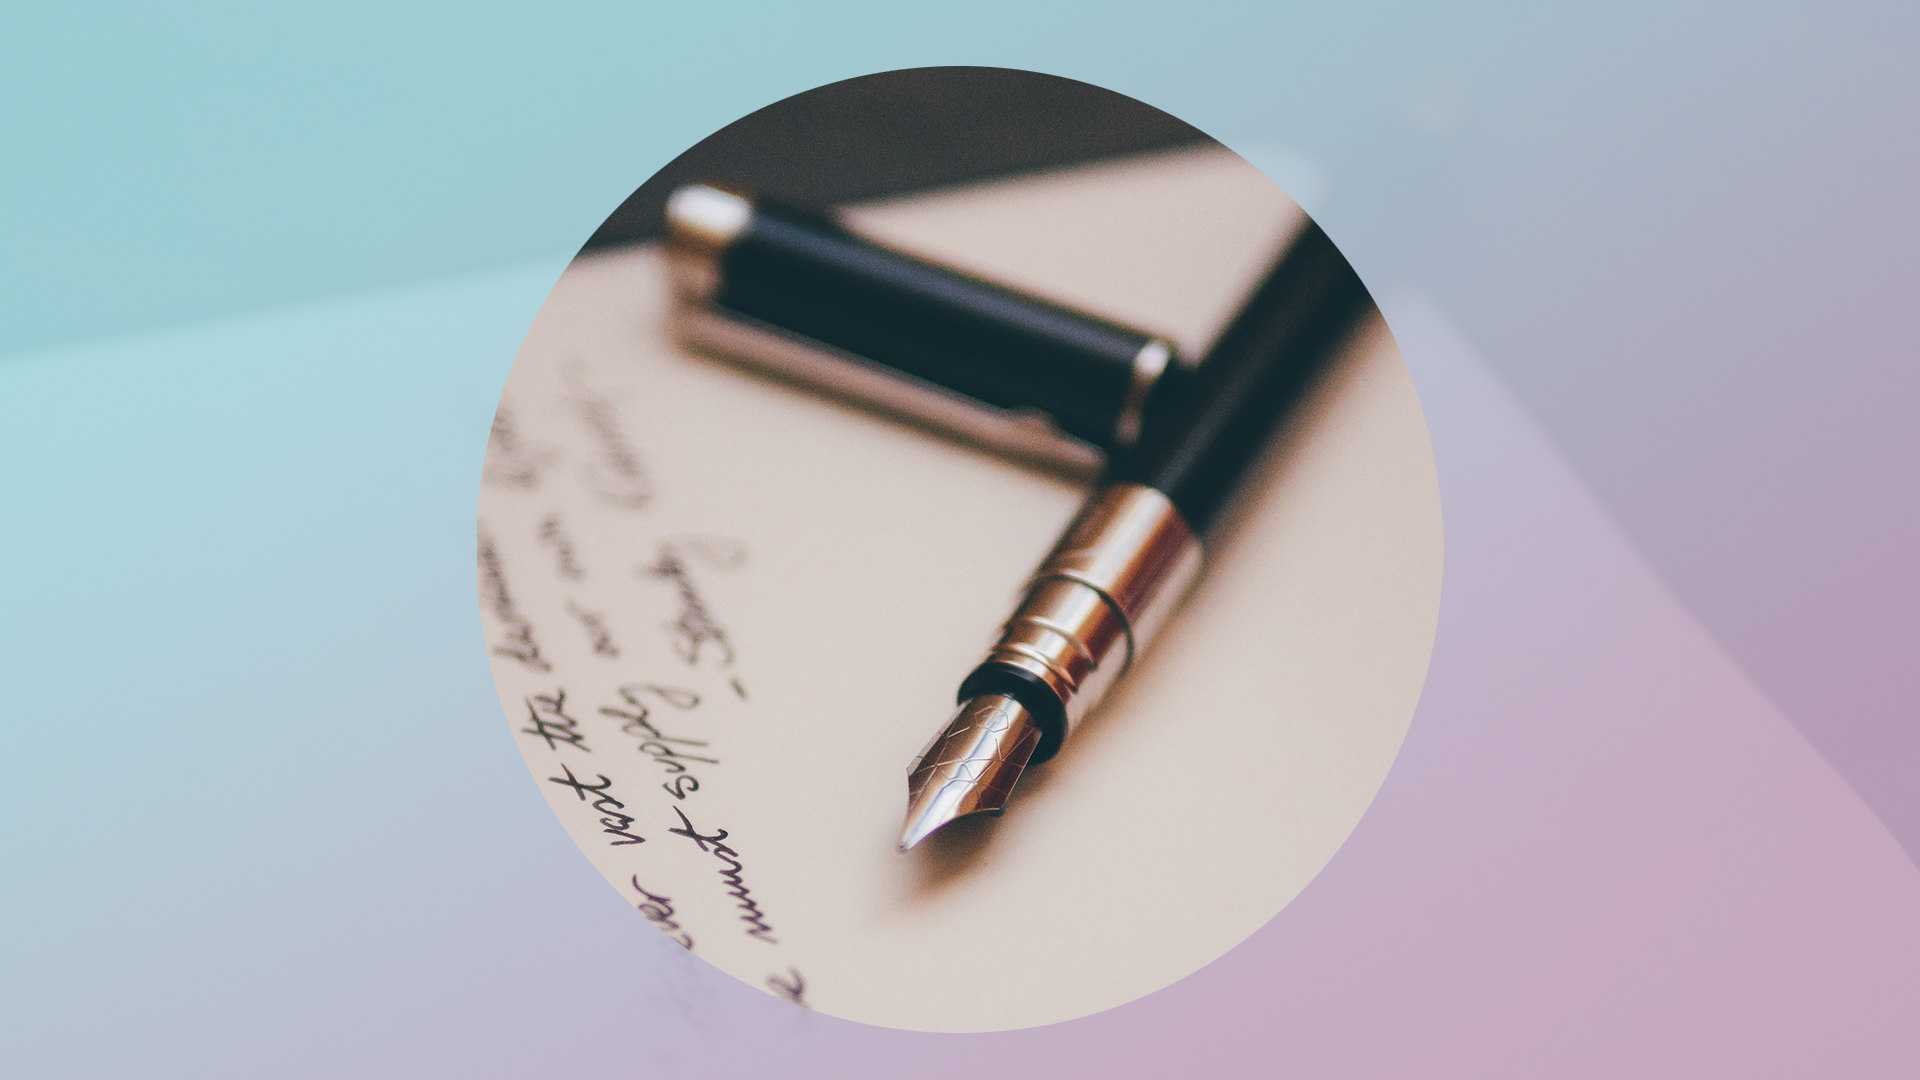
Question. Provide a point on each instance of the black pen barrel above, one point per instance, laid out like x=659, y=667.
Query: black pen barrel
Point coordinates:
x=1202, y=431
x=1136, y=547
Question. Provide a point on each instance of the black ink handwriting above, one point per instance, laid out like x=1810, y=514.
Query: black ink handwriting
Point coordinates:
x=696, y=629
x=511, y=461
x=636, y=720
x=619, y=477
x=517, y=641
x=730, y=874
x=620, y=825
x=554, y=535
x=659, y=912
x=793, y=987
x=551, y=722
x=597, y=630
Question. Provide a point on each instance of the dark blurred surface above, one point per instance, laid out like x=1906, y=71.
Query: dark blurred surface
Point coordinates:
x=902, y=131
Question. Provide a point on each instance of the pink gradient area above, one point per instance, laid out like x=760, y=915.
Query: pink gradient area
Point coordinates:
x=1601, y=852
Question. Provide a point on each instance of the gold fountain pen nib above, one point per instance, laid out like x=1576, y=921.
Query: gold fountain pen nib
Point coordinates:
x=972, y=767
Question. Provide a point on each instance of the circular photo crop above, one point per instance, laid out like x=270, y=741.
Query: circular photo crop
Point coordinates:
x=959, y=550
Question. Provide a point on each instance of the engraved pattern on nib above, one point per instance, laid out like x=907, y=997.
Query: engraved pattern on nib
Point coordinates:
x=972, y=767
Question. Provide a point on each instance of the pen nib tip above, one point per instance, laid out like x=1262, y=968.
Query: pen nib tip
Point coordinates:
x=971, y=768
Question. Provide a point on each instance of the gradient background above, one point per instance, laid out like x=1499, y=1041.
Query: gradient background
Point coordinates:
x=261, y=277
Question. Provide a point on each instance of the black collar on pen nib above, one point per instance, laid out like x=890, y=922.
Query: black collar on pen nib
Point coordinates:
x=1134, y=550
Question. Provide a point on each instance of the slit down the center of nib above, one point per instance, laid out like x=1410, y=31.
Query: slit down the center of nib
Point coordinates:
x=972, y=768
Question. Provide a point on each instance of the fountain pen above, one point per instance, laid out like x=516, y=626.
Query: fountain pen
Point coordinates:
x=1135, y=548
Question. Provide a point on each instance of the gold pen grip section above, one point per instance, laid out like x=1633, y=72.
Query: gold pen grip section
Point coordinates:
x=1102, y=594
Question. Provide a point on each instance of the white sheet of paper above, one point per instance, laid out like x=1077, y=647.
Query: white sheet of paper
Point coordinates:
x=718, y=604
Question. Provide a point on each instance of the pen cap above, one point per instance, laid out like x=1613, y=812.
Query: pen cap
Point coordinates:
x=1204, y=430
x=805, y=275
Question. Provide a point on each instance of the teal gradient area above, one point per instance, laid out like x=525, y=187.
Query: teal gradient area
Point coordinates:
x=262, y=274
x=172, y=163
x=243, y=672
